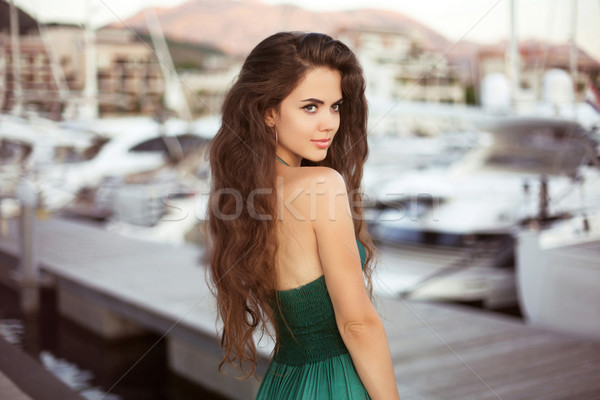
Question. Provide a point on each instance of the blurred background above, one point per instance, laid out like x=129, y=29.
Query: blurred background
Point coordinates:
x=482, y=187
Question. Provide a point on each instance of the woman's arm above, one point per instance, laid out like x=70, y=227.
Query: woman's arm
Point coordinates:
x=356, y=317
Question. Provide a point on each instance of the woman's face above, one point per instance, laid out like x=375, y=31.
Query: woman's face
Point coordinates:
x=309, y=117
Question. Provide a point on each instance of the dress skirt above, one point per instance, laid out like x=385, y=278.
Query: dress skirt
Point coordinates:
x=333, y=378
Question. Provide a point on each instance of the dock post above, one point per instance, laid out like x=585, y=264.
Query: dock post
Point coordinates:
x=199, y=363
x=28, y=273
x=3, y=222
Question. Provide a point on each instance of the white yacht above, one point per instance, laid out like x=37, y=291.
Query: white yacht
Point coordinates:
x=447, y=233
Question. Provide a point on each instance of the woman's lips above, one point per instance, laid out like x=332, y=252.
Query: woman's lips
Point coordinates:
x=322, y=144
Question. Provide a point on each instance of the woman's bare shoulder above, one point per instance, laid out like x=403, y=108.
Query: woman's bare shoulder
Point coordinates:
x=315, y=177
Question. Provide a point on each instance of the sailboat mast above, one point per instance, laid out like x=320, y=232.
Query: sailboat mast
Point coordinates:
x=16, y=59
x=514, y=57
x=573, y=47
x=174, y=95
x=90, y=91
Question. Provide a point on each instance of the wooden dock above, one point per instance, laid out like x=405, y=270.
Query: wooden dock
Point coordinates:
x=118, y=286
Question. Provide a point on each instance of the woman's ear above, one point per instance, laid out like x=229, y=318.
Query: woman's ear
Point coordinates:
x=270, y=117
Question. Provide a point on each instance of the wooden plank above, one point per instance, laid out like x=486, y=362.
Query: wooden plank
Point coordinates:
x=505, y=354
x=10, y=391
x=498, y=358
x=30, y=377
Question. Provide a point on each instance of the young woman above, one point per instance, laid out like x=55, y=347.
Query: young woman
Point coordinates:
x=288, y=249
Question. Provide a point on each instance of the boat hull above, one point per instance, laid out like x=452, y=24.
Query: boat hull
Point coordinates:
x=558, y=284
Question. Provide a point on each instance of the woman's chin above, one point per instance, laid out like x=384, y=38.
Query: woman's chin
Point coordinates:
x=316, y=157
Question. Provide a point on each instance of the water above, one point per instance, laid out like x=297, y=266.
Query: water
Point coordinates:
x=92, y=365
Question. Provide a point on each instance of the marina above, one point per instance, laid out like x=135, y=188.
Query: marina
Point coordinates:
x=121, y=287
x=482, y=191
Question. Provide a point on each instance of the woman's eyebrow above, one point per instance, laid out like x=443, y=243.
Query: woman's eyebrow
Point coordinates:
x=313, y=100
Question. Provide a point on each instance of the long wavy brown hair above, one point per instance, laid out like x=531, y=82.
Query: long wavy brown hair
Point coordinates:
x=241, y=228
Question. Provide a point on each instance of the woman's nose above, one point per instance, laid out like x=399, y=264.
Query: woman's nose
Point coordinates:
x=330, y=122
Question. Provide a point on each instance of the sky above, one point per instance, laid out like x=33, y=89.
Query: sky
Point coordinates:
x=483, y=21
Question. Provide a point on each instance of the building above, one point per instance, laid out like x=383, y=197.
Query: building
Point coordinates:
x=398, y=66
x=38, y=87
x=53, y=71
x=536, y=59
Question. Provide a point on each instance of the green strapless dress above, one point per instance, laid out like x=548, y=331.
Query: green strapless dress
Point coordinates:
x=310, y=360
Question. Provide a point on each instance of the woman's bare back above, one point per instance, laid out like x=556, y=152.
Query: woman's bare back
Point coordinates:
x=298, y=261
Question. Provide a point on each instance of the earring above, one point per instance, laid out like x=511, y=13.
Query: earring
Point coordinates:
x=276, y=138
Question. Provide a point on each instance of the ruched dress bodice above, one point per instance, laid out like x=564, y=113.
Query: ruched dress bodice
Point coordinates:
x=310, y=359
x=307, y=328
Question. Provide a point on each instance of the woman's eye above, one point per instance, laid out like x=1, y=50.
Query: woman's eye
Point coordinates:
x=335, y=107
x=310, y=108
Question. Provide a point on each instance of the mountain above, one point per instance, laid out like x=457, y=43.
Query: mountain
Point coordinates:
x=237, y=26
